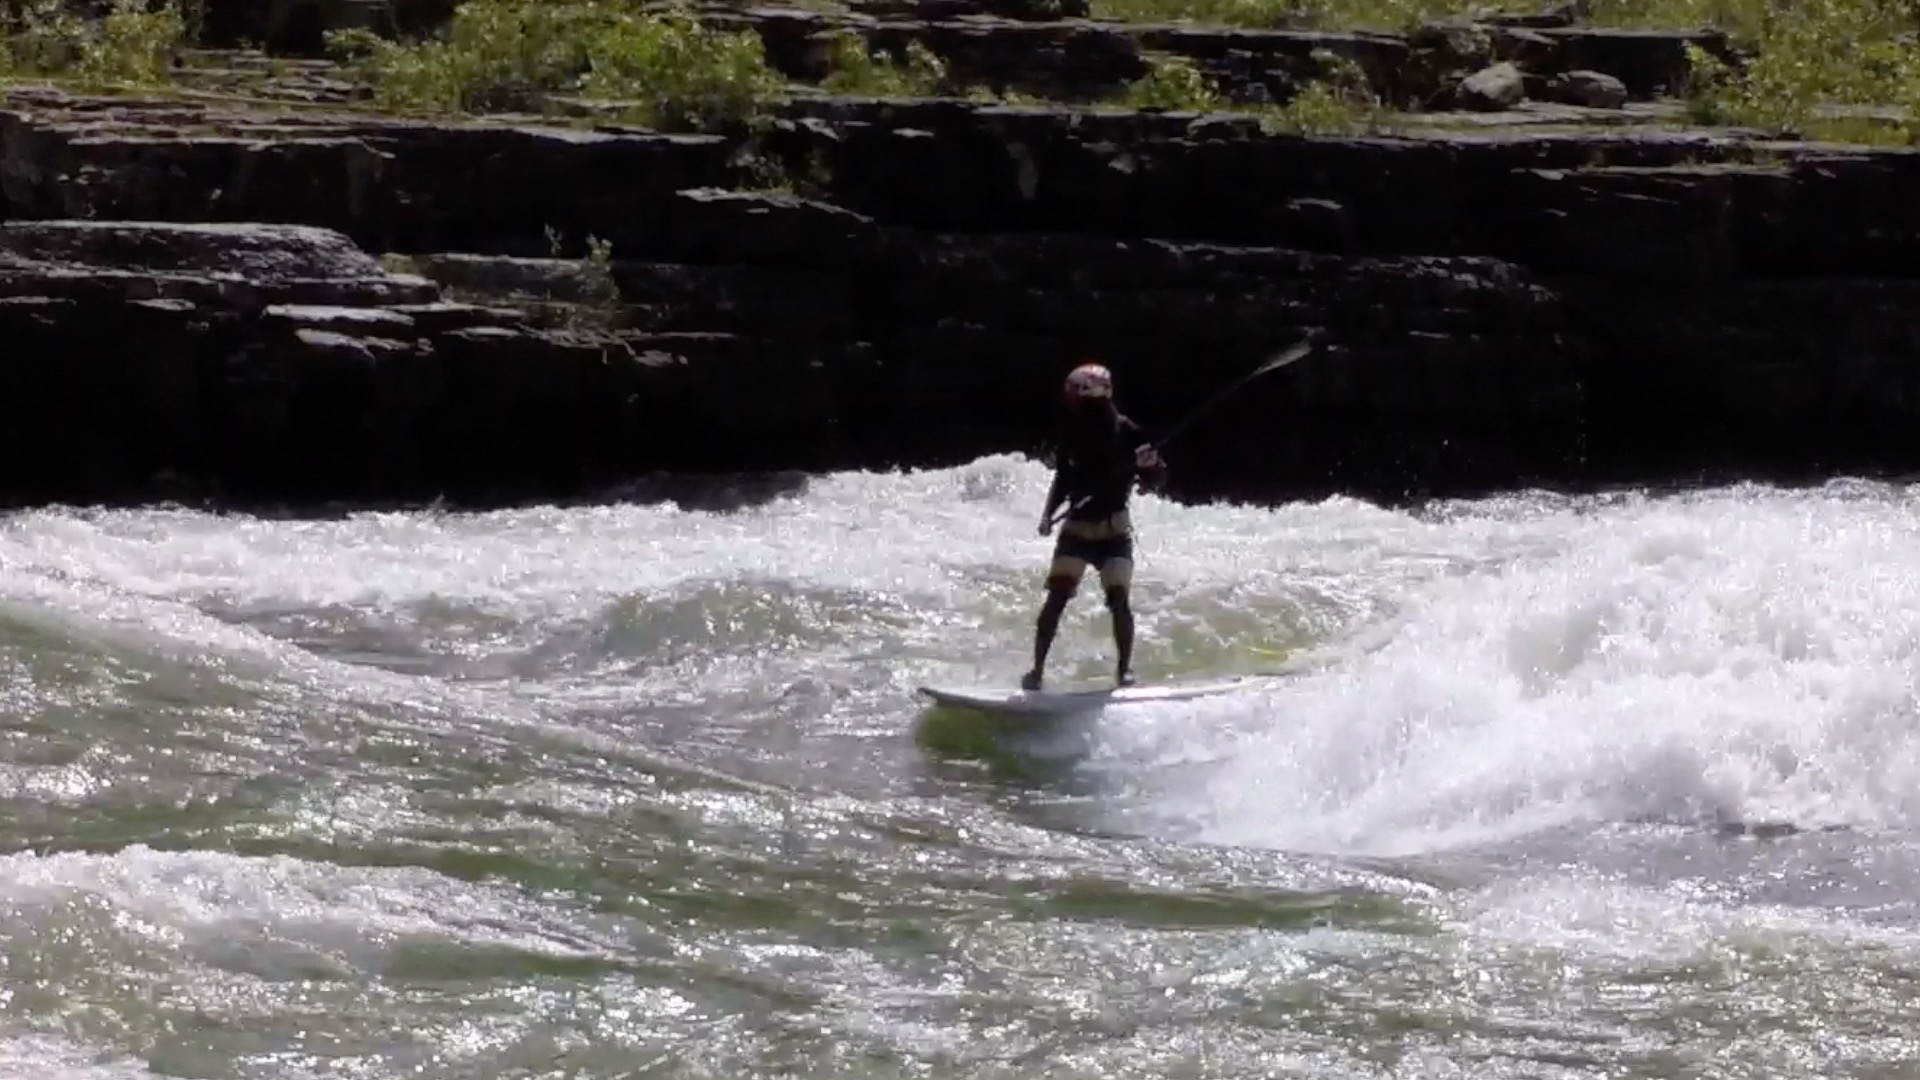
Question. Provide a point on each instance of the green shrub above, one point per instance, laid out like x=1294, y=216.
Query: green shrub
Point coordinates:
x=516, y=55
x=129, y=45
x=1807, y=59
x=1341, y=100
x=855, y=70
x=1172, y=82
x=1812, y=68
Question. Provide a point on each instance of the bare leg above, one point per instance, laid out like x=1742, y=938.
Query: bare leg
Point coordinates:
x=1058, y=593
x=1122, y=613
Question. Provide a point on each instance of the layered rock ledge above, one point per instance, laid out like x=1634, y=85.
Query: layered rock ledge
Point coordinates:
x=199, y=301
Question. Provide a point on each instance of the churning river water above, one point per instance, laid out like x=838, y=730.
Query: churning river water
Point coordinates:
x=1622, y=786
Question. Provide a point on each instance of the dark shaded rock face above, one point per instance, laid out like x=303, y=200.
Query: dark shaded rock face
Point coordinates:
x=1495, y=310
x=273, y=364
x=298, y=27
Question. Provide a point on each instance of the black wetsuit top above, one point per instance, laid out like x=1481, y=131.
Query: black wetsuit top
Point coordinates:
x=1094, y=459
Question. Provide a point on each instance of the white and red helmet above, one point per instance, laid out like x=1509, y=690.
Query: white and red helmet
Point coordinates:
x=1090, y=380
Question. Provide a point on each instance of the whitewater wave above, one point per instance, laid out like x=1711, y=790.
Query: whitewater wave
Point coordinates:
x=1745, y=655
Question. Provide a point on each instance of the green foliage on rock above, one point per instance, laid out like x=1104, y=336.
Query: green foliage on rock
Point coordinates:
x=855, y=70
x=129, y=45
x=1845, y=69
x=1172, y=82
x=1814, y=66
x=1339, y=101
x=672, y=72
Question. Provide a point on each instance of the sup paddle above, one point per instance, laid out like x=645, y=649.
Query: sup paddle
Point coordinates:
x=1290, y=354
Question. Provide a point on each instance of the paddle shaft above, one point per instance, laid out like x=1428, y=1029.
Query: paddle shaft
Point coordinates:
x=1291, y=354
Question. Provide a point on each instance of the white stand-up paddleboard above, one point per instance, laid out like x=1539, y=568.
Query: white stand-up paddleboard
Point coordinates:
x=1066, y=702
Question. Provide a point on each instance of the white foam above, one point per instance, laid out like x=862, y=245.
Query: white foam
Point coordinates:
x=46, y=1057
x=1744, y=654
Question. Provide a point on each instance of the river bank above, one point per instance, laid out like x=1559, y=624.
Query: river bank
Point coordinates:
x=497, y=309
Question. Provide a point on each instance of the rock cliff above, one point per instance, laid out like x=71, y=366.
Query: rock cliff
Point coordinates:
x=205, y=301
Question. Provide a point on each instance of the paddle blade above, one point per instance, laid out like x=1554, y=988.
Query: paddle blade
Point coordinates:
x=1287, y=356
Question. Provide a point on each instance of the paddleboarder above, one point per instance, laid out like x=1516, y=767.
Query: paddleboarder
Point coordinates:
x=1099, y=458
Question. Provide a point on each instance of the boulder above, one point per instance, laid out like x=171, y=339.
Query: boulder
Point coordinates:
x=1589, y=89
x=1492, y=89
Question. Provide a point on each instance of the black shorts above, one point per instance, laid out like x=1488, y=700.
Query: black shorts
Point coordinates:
x=1112, y=556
